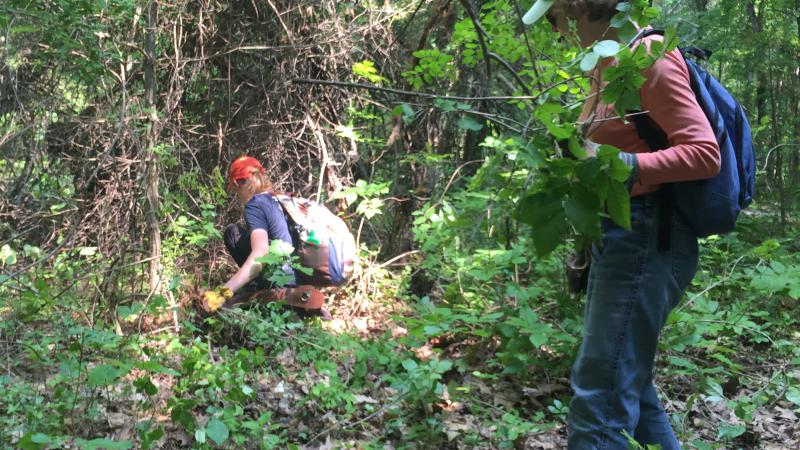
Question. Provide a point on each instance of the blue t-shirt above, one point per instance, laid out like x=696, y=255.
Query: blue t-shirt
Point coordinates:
x=265, y=212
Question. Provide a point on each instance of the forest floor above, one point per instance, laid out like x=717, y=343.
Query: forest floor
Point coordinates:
x=386, y=373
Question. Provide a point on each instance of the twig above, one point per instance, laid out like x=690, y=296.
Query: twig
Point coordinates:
x=402, y=255
x=722, y=279
x=372, y=87
x=280, y=19
x=769, y=152
x=324, y=150
x=362, y=420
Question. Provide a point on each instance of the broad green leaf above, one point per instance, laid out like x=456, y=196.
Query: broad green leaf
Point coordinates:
x=549, y=115
x=105, y=444
x=671, y=39
x=35, y=441
x=217, y=431
x=409, y=364
x=444, y=105
x=606, y=48
x=432, y=330
x=619, y=204
x=700, y=445
x=582, y=209
x=589, y=60
x=468, y=123
x=714, y=391
x=793, y=395
x=730, y=431
x=444, y=365
x=366, y=69
x=104, y=374
x=144, y=385
x=545, y=214
x=407, y=113
x=576, y=148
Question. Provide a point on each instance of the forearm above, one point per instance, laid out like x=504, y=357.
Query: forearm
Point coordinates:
x=249, y=271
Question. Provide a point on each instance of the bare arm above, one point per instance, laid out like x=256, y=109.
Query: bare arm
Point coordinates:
x=259, y=245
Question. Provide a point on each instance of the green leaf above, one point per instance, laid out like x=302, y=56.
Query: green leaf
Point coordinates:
x=409, y=364
x=148, y=437
x=468, y=123
x=793, y=395
x=408, y=114
x=544, y=212
x=730, y=431
x=700, y=445
x=366, y=69
x=36, y=441
x=144, y=385
x=582, y=209
x=588, y=61
x=217, y=431
x=444, y=105
x=577, y=150
x=714, y=391
x=619, y=204
x=106, y=444
x=606, y=48
x=104, y=374
x=444, y=365
x=671, y=39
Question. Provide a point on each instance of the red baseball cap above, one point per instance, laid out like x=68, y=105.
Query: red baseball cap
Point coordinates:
x=241, y=169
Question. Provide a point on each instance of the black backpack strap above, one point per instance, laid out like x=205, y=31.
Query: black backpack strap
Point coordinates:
x=657, y=140
x=697, y=52
x=643, y=33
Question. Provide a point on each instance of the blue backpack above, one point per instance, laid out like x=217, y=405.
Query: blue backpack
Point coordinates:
x=710, y=206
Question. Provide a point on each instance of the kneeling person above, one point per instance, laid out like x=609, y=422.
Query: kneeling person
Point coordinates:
x=266, y=222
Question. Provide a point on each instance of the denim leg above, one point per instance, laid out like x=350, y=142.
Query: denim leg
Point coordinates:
x=654, y=426
x=632, y=289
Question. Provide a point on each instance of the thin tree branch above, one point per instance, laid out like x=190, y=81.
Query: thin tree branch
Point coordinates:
x=371, y=87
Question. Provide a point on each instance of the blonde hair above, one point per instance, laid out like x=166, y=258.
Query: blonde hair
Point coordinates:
x=256, y=184
x=595, y=10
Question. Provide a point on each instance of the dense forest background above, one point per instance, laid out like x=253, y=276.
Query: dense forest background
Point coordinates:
x=437, y=128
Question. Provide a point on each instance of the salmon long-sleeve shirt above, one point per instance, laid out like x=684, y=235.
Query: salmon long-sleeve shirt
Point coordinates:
x=667, y=96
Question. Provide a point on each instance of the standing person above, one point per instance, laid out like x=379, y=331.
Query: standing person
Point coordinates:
x=633, y=282
x=265, y=222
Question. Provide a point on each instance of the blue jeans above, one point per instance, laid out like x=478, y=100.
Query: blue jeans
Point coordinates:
x=632, y=288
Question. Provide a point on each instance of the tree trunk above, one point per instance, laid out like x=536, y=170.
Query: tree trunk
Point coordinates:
x=755, y=19
x=151, y=168
x=779, y=159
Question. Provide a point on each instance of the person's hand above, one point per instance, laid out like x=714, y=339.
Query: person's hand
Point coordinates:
x=217, y=297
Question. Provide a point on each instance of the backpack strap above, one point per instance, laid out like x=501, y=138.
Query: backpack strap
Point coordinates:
x=649, y=131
